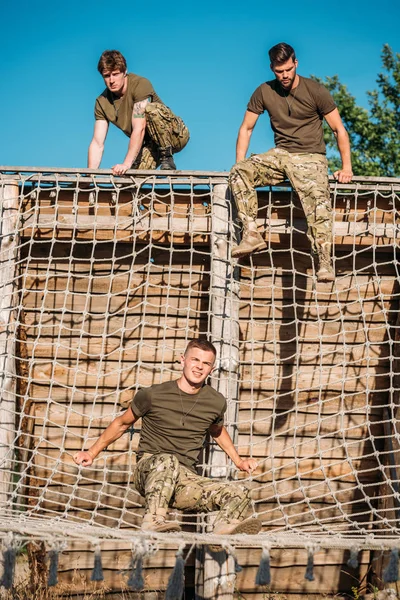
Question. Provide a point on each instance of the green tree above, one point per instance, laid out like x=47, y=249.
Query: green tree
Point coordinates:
x=374, y=133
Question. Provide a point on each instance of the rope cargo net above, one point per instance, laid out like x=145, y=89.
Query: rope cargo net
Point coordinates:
x=104, y=281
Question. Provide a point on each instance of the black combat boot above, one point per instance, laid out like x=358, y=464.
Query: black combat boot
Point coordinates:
x=167, y=160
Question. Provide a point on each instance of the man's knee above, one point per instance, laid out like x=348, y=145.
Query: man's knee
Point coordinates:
x=153, y=110
x=243, y=167
x=244, y=492
x=239, y=491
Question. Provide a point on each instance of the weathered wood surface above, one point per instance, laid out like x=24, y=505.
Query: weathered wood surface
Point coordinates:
x=357, y=221
x=8, y=301
x=288, y=568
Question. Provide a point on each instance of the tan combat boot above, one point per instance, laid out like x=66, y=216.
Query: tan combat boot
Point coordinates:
x=158, y=522
x=235, y=526
x=325, y=269
x=250, y=526
x=251, y=241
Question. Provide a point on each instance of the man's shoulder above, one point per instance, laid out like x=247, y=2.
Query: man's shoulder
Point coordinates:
x=267, y=87
x=313, y=86
x=207, y=389
x=135, y=79
x=266, y=93
x=166, y=386
x=104, y=96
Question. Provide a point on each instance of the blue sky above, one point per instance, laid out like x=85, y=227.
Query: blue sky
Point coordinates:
x=203, y=58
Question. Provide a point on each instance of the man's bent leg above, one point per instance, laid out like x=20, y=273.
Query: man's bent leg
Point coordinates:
x=205, y=495
x=167, y=131
x=146, y=159
x=245, y=176
x=155, y=478
x=308, y=174
x=202, y=494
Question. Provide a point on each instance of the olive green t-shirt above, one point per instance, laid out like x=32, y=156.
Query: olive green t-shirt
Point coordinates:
x=109, y=107
x=160, y=407
x=296, y=117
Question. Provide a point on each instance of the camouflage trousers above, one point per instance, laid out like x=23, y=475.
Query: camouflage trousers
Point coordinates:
x=163, y=129
x=308, y=174
x=165, y=483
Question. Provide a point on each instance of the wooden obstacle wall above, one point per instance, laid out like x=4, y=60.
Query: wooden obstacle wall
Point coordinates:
x=288, y=329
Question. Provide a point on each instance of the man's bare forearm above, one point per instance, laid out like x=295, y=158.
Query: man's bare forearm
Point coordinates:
x=135, y=144
x=95, y=154
x=113, y=432
x=343, y=143
x=224, y=441
x=242, y=143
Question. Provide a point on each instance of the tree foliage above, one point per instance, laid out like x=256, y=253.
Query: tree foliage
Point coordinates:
x=374, y=133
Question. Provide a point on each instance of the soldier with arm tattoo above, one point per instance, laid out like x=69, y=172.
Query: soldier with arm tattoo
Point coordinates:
x=131, y=104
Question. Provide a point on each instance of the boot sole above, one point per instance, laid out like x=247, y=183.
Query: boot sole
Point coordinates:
x=163, y=529
x=249, y=527
x=239, y=254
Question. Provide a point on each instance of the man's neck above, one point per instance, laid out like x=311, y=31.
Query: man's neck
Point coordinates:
x=122, y=91
x=187, y=387
x=295, y=83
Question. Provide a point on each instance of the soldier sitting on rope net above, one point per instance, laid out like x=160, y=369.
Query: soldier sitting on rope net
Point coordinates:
x=296, y=107
x=130, y=102
x=176, y=415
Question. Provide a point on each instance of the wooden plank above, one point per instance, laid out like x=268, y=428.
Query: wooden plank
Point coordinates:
x=279, y=493
x=38, y=311
x=372, y=206
x=168, y=304
x=165, y=346
x=150, y=327
x=382, y=237
x=321, y=403
x=349, y=427
x=352, y=332
x=9, y=241
x=292, y=429
x=362, y=286
x=98, y=415
x=155, y=579
x=140, y=200
x=325, y=401
x=329, y=416
x=91, y=374
x=322, y=448
x=122, y=258
x=284, y=465
x=113, y=396
x=280, y=263
x=115, y=281
x=328, y=579
x=118, y=512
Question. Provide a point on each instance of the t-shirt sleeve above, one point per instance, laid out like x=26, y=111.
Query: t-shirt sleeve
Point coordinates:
x=221, y=417
x=99, y=113
x=325, y=102
x=256, y=104
x=143, y=90
x=141, y=403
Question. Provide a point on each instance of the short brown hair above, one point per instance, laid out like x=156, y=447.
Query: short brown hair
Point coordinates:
x=111, y=60
x=202, y=344
x=281, y=53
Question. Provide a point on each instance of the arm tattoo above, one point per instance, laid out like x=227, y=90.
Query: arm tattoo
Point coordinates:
x=139, y=108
